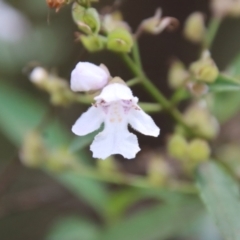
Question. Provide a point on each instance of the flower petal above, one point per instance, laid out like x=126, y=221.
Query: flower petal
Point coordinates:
x=115, y=141
x=114, y=92
x=143, y=123
x=88, y=122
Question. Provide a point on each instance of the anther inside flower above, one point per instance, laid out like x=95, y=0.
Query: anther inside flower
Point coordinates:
x=116, y=107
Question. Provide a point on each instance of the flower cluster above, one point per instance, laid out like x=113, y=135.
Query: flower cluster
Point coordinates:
x=116, y=107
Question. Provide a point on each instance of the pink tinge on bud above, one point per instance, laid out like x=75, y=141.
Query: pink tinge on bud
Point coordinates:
x=88, y=77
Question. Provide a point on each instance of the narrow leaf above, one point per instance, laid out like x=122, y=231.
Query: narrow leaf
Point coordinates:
x=220, y=193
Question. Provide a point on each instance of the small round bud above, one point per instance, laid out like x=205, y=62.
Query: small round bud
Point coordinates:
x=205, y=69
x=177, y=75
x=60, y=160
x=33, y=152
x=38, y=75
x=93, y=43
x=158, y=170
x=88, y=77
x=199, y=150
x=87, y=20
x=199, y=117
x=120, y=40
x=107, y=165
x=194, y=29
x=178, y=147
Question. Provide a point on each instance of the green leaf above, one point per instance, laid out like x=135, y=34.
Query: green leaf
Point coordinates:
x=220, y=193
x=19, y=113
x=158, y=222
x=93, y=192
x=225, y=105
x=224, y=84
x=73, y=228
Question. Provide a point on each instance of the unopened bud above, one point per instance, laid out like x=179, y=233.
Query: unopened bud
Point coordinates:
x=33, y=152
x=199, y=151
x=107, y=165
x=157, y=24
x=194, y=29
x=178, y=147
x=57, y=4
x=204, y=69
x=87, y=20
x=88, y=77
x=198, y=117
x=158, y=171
x=38, y=75
x=120, y=40
x=60, y=160
x=177, y=75
x=93, y=43
x=114, y=21
x=223, y=8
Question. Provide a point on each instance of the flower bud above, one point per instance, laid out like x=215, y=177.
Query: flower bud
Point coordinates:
x=178, y=147
x=57, y=4
x=38, y=75
x=33, y=152
x=87, y=19
x=199, y=150
x=157, y=24
x=60, y=160
x=93, y=43
x=194, y=29
x=177, y=75
x=205, y=69
x=223, y=8
x=114, y=21
x=120, y=40
x=88, y=77
x=107, y=165
x=158, y=171
x=198, y=117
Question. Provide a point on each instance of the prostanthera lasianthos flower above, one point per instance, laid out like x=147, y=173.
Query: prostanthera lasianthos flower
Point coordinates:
x=116, y=107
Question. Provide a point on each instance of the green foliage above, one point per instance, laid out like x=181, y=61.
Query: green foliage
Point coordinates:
x=20, y=113
x=73, y=228
x=93, y=192
x=158, y=222
x=220, y=193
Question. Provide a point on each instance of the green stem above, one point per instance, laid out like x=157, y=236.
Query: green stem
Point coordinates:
x=156, y=94
x=133, y=180
x=212, y=32
x=136, y=54
x=85, y=99
x=133, y=82
x=160, y=98
x=150, y=107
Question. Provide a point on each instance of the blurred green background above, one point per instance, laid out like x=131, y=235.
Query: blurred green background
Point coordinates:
x=38, y=205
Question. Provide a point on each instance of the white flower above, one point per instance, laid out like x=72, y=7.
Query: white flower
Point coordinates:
x=117, y=108
x=87, y=77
